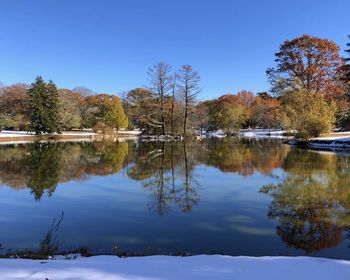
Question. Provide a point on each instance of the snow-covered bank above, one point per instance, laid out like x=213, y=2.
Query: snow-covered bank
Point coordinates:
x=22, y=137
x=163, y=267
x=21, y=134
x=334, y=142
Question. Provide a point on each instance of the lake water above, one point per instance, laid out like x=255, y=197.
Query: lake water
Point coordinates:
x=225, y=196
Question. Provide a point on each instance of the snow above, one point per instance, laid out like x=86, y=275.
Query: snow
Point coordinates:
x=164, y=267
x=331, y=142
x=263, y=133
x=9, y=133
x=6, y=133
x=338, y=138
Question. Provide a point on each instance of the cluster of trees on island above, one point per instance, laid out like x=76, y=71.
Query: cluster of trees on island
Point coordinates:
x=310, y=86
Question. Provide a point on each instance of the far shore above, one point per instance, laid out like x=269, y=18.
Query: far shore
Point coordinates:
x=7, y=136
x=335, y=140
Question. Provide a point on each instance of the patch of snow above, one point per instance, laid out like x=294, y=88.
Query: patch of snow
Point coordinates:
x=217, y=133
x=337, y=138
x=130, y=132
x=10, y=133
x=263, y=133
x=164, y=267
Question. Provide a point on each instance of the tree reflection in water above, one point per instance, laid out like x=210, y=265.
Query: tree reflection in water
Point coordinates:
x=312, y=203
x=166, y=171
x=41, y=166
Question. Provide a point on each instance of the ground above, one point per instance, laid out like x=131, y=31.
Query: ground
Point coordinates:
x=163, y=267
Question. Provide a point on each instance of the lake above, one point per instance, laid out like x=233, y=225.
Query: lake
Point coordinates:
x=224, y=196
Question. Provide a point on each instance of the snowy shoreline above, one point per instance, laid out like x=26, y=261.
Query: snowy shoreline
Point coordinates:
x=165, y=267
x=340, y=143
x=24, y=137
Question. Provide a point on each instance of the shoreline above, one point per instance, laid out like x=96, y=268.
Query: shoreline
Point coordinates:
x=165, y=267
x=23, y=137
x=319, y=143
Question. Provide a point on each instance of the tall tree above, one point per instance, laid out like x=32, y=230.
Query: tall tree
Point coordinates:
x=44, y=107
x=347, y=67
x=160, y=79
x=189, y=87
x=308, y=63
x=173, y=90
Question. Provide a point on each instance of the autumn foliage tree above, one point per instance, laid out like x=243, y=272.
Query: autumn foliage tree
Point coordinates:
x=266, y=112
x=230, y=113
x=105, y=113
x=308, y=63
x=309, y=114
x=311, y=66
x=71, y=106
x=14, y=107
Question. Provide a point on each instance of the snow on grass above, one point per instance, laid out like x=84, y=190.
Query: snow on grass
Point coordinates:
x=336, y=140
x=7, y=133
x=14, y=134
x=163, y=267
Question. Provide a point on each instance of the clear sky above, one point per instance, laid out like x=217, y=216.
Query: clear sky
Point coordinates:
x=107, y=45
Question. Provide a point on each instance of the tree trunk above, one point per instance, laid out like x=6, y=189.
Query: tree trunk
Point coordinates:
x=162, y=115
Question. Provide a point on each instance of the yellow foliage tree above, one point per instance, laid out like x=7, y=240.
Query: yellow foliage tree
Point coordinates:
x=309, y=114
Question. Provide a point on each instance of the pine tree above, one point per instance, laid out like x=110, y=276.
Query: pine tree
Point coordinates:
x=347, y=66
x=44, y=107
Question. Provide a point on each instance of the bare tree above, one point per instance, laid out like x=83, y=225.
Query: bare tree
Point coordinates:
x=189, y=86
x=160, y=79
x=173, y=90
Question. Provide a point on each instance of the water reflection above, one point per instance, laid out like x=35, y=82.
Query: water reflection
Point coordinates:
x=309, y=197
x=41, y=166
x=166, y=171
x=312, y=203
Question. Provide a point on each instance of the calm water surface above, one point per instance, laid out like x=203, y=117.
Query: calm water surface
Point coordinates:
x=227, y=196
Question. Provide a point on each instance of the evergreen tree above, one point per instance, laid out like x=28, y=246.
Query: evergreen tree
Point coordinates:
x=347, y=66
x=44, y=107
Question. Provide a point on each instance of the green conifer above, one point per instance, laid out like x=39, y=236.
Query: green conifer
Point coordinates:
x=44, y=107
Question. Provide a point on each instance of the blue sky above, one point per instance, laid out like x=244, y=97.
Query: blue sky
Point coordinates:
x=108, y=45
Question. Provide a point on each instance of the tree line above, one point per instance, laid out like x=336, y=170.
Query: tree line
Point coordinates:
x=310, y=86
